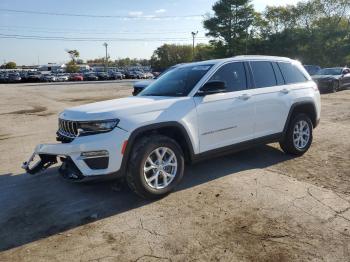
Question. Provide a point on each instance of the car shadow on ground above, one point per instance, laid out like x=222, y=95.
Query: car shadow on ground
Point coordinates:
x=35, y=207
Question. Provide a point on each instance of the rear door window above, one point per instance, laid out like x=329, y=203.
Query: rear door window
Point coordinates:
x=263, y=74
x=234, y=76
x=291, y=73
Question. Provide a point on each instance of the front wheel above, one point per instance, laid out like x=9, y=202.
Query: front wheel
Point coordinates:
x=299, y=137
x=156, y=166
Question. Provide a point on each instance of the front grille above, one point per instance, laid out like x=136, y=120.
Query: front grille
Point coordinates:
x=67, y=130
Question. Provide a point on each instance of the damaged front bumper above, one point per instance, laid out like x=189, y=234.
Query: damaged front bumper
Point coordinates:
x=90, y=156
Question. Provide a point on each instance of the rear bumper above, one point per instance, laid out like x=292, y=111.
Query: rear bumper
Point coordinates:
x=90, y=156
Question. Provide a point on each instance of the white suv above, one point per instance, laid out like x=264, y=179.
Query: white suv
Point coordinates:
x=191, y=113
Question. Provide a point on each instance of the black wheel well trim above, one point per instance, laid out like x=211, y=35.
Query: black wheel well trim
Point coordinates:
x=291, y=111
x=154, y=127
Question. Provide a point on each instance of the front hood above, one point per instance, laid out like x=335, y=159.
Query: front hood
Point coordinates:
x=143, y=84
x=118, y=108
x=324, y=77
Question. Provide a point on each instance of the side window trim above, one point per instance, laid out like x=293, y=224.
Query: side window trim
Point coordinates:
x=285, y=81
x=249, y=76
x=275, y=67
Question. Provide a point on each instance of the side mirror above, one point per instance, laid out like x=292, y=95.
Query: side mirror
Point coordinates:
x=212, y=87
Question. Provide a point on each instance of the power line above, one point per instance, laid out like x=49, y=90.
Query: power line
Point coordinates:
x=98, y=16
x=90, y=39
x=91, y=32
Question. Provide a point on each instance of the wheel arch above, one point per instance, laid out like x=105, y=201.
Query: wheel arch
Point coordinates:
x=173, y=130
x=305, y=107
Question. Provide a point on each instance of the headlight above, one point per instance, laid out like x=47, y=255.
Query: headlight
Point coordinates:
x=95, y=127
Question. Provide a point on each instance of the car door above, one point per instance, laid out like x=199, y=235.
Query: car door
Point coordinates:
x=271, y=96
x=226, y=118
x=345, y=79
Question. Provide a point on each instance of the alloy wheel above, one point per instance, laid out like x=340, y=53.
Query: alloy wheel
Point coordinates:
x=301, y=134
x=160, y=168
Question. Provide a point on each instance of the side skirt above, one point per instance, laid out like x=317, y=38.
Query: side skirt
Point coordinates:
x=237, y=147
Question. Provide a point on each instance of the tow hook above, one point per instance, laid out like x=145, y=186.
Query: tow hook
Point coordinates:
x=44, y=163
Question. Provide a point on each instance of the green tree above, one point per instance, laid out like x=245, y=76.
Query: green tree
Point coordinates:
x=10, y=65
x=315, y=32
x=229, y=26
x=73, y=54
x=205, y=52
x=72, y=67
x=169, y=55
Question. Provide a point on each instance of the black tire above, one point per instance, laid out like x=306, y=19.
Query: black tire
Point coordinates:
x=135, y=175
x=335, y=87
x=287, y=144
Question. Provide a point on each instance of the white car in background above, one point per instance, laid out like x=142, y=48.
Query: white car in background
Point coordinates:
x=62, y=77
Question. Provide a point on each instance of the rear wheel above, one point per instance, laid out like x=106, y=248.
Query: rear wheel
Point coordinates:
x=299, y=137
x=156, y=166
x=335, y=87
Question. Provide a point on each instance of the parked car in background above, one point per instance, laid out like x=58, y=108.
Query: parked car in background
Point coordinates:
x=149, y=75
x=332, y=79
x=116, y=76
x=140, y=75
x=13, y=78
x=76, y=77
x=90, y=77
x=312, y=69
x=139, y=86
x=48, y=78
x=33, y=76
x=131, y=75
x=62, y=77
x=102, y=76
x=3, y=77
x=23, y=75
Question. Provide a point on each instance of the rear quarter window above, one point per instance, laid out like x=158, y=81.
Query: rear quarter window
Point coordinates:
x=291, y=73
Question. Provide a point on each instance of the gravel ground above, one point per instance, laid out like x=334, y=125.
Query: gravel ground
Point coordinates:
x=256, y=205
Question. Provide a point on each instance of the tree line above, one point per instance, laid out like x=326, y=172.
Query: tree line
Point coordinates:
x=314, y=32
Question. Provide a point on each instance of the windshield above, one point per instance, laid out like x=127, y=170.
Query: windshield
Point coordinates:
x=330, y=71
x=164, y=72
x=177, y=82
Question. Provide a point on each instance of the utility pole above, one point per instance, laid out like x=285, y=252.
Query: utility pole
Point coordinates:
x=106, y=62
x=194, y=34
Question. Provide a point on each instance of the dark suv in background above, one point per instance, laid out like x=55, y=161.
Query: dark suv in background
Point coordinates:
x=332, y=79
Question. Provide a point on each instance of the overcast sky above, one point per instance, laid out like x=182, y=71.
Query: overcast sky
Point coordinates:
x=132, y=31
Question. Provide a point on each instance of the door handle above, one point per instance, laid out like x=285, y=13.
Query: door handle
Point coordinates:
x=245, y=97
x=285, y=91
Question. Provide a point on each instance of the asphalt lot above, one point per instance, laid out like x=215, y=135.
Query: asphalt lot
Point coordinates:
x=256, y=205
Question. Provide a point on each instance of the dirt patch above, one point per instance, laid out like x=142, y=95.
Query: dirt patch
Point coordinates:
x=4, y=136
x=33, y=110
x=87, y=99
